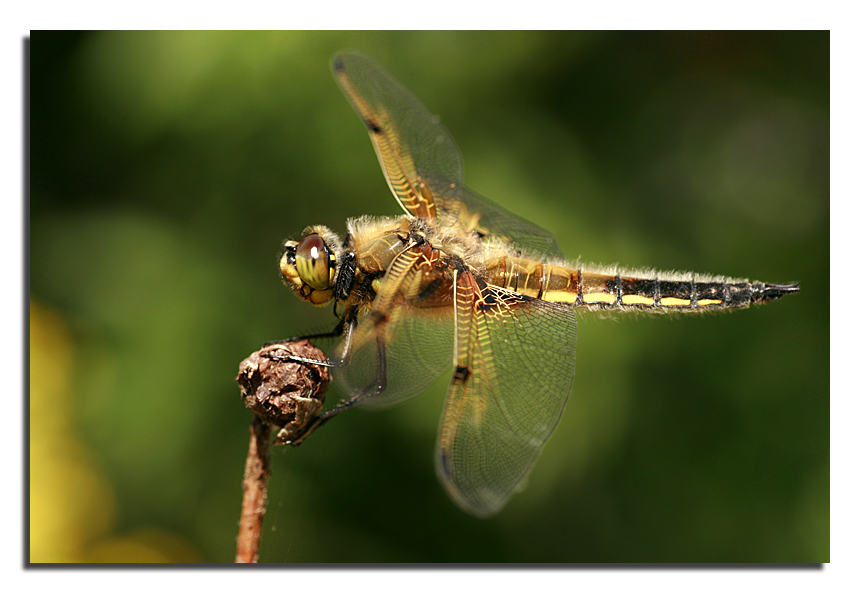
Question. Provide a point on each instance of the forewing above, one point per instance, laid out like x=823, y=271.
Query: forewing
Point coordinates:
x=421, y=161
x=407, y=337
x=472, y=212
x=512, y=376
x=416, y=152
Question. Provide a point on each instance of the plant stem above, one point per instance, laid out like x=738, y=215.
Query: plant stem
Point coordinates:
x=254, y=484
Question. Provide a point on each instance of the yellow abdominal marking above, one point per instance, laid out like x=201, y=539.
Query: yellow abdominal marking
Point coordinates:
x=635, y=299
x=673, y=302
x=704, y=302
x=598, y=297
x=559, y=296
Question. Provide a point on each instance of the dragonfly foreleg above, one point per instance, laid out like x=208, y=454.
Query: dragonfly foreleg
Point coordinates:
x=294, y=358
x=337, y=332
x=375, y=388
x=378, y=385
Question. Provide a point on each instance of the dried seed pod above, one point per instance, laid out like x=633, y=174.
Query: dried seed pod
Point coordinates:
x=283, y=391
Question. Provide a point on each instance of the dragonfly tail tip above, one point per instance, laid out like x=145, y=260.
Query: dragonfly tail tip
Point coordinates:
x=763, y=293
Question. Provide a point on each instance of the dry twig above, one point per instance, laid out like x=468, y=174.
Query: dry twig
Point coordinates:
x=282, y=393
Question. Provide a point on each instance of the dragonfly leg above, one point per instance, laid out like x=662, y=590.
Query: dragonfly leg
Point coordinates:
x=312, y=426
x=375, y=388
x=294, y=358
x=335, y=333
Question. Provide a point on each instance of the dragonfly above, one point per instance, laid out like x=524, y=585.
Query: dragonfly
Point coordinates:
x=459, y=283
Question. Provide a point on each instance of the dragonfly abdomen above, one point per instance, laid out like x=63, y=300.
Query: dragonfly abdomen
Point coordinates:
x=625, y=290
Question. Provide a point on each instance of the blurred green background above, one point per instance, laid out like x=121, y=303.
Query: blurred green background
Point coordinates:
x=166, y=168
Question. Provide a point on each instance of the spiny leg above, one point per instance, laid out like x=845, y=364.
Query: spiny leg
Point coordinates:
x=375, y=388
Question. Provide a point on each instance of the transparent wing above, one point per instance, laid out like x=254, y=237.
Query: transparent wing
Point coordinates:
x=421, y=162
x=407, y=338
x=410, y=142
x=470, y=211
x=419, y=346
x=512, y=376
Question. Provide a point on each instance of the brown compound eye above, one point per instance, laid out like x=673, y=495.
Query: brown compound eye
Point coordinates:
x=314, y=262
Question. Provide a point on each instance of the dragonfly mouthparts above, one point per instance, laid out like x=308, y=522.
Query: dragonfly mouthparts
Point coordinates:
x=762, y=293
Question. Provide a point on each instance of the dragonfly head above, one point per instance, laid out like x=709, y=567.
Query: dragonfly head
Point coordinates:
x=309, y=265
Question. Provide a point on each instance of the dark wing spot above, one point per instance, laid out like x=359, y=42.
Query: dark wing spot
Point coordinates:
x=372, y=126
x=445, y=463
x=461, y=375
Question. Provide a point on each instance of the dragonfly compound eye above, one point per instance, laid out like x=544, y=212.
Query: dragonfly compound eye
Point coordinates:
x=315, y=262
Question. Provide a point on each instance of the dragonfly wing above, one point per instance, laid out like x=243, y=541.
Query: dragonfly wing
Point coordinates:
x=418, y=347
x=421, y=161
x=513, y=373
x=472, y=212
x=416, y=152
x=407, y=337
